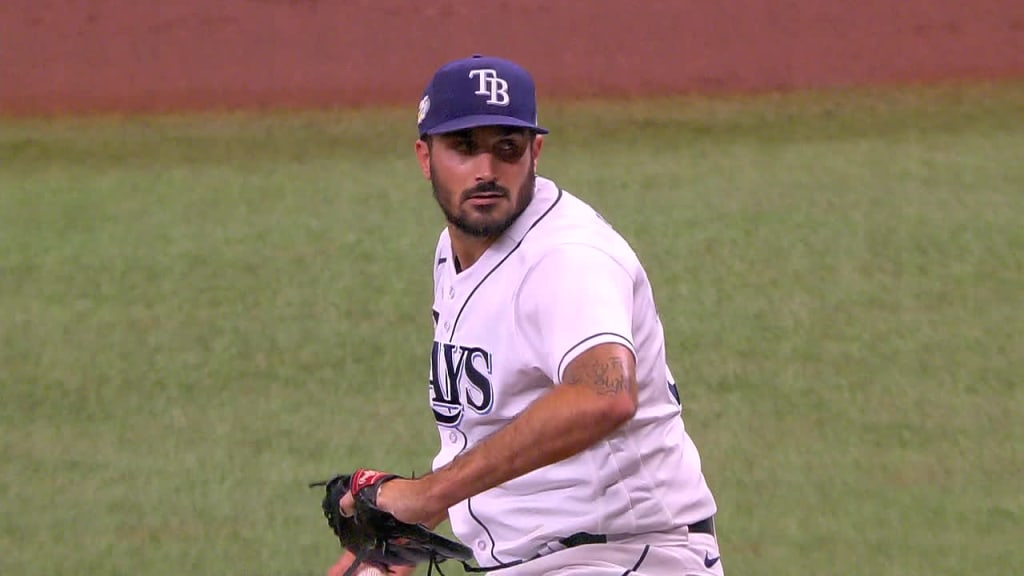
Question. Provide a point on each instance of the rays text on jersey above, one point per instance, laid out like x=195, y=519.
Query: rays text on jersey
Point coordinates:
x=460, y=378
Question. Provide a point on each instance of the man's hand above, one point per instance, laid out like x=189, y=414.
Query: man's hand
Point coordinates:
x=375, y=536
x=406, y=499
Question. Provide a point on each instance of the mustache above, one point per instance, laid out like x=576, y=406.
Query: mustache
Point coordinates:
x=485, y=188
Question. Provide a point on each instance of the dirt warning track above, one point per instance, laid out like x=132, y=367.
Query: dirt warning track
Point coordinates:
x=69, y=56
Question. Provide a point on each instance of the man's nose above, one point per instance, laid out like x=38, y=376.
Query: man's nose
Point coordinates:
x=483, y=164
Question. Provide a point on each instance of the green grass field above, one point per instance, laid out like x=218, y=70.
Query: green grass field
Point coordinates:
x=199, y=315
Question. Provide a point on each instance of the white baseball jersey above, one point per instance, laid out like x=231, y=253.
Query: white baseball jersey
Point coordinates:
x=558, y=282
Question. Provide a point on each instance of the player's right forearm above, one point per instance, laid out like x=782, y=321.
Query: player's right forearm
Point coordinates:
x=436, y=521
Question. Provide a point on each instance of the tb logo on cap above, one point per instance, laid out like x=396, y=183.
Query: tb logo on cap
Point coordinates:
x=496, y=89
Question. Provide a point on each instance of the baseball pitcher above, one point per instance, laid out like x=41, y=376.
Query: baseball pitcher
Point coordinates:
x=562, y=450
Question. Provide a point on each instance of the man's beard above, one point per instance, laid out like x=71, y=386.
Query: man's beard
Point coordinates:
x=486, y=229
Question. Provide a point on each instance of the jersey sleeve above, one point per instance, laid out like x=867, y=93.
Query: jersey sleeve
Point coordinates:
x=575, y=298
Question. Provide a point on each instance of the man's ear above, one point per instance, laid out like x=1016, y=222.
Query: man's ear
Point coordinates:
x=422, y=149
x=536, y=145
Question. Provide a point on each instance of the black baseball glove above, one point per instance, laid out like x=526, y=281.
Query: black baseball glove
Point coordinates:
x=376, y=537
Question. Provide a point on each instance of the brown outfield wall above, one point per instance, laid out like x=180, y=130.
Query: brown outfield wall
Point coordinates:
x=59, y=56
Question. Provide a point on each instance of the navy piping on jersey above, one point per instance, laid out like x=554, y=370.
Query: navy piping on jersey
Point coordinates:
x=469, y=501
x=639, y=561
x=591, y=337
x=469, y=507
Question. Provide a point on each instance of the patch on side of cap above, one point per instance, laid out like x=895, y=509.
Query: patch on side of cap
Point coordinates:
x=424, y=108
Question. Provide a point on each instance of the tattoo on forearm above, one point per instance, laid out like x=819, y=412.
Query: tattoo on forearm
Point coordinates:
x=607, y=377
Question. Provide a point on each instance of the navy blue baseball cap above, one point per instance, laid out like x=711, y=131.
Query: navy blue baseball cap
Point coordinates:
x=478, y=91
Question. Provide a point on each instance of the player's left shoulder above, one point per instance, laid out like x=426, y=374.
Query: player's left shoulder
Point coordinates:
x=579, y=223
x=579, y=235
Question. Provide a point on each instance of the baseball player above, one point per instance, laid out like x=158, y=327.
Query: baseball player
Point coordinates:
x=562, y=449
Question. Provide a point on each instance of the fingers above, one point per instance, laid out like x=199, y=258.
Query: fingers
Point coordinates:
x=342, y=565
x=347, y=505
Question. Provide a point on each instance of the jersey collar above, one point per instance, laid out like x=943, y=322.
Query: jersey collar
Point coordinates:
x=545, y=193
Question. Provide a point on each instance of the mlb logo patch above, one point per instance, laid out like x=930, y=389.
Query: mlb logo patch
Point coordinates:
x=424, y=108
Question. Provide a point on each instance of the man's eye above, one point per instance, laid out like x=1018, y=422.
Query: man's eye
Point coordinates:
x=509, y=150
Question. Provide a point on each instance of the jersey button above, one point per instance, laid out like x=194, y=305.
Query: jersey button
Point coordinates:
x=452, y=437
x=481, y=545
x=451, y=293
